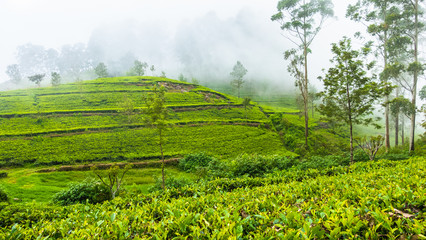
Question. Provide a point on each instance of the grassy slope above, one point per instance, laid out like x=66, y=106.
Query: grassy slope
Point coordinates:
x=84, y=122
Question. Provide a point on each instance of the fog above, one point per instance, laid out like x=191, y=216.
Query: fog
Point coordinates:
x=201, y=40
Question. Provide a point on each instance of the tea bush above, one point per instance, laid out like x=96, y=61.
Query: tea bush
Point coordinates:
x=88, y=191
x=258, y=165
x=170, y=182
x=191, y=162
x=3, y=196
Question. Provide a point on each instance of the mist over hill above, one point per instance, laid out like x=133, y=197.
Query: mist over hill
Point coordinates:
x=206, y=47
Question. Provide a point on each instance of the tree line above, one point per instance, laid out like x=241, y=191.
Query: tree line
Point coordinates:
x=351, y=88
x=71, y=63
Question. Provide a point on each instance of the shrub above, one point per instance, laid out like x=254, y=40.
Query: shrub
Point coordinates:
x=258, y=165
x=170, y=182
x=191, y=162
x=3, y=196
x=87, y=191
x=321, y=162
x=219, y=169
x=3, y=174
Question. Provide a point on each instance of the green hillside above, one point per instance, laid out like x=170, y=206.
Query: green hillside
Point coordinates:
x=101, y=120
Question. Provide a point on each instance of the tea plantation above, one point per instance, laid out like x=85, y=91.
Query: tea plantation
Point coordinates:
x=100, y=120
x=368, y=200
x=233, y=171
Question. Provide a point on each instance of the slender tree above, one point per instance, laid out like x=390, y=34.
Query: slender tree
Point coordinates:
x=14, y=73
x=382, y=19
x=112, y=178
x=55, y=79
x=414, y=27
x=237, y=74
x=301, y=20
x=349, y=93
x=156, y=115
x=101, y=70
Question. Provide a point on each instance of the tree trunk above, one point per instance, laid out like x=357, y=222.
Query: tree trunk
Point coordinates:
x=387, y=132
x=305, y=97
x=350, y=123
x=413, y=100
x=402, y=131
x=397, y=122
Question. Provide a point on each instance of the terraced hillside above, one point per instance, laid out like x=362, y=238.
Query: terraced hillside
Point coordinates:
x=100, y=120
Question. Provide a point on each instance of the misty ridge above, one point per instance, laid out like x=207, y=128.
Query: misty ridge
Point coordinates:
x=205, y=48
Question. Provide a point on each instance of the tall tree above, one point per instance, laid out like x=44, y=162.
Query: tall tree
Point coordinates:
x=401, y=105
x=302, y=20
x=414, y=27
x=155, y=115
x=237, y=74
x=139, y=68
x=101, y=70
x=55, y=79
x=380, y=17
x=349, y=92
x=14, y=73
x=37, y=78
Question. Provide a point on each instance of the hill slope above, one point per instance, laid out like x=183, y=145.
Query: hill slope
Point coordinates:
x=100, y=120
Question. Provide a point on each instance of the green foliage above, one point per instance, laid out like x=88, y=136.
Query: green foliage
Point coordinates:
x=156, y=115
x=37, y=78
x=138, y=68
x=3, y=174
x=323, y=162
x=55, y=79
x=3, y=196
x=182, y=78
x=381, y=199
x=401, y=105
x=349, y=93
x=112, y=178
x=258, y=165
x=237, y=74
x=101, y=70
x=192, y=162
x=87, y=191
x=171, y=182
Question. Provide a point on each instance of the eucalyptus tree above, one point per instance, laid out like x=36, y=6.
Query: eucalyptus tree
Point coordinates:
x=349, y=92
x=237, y=74
x=385, y=21
x=413, y=26
x=301, y=21
x=400, y=105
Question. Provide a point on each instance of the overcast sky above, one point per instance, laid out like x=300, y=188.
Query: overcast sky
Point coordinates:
x=53, y=23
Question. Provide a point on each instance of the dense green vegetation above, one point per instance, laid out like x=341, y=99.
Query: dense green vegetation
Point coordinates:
x=243, y=171
x=383, y=199
x=101, y=120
